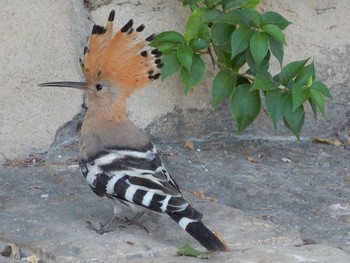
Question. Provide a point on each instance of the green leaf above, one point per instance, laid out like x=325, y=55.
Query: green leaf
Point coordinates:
x=275, y=32
x=213, y=16
x=167, y=41
x=309, y=82
x=190, y=79
x=185, y=54
x=276, y=48
x=274, y=101
x=245, y=105
x=300, y=94
x=291, y=70
x=240, y=40
x=188, y=250
x=293, y=119
x=259, y=45
x=236, y=17
x=254, y=17
x=223, y=85
x=321, y=87
x=168, y=36
x=253, y=68
x=223, y=56
x=211, y=3
x=198, y=44
x=305, y=74
x=187, y=80
x=220, y=33
x=276, y=19
x=171, y=64
x=166, y=47
x=263, y=81
x=318, y=98
x=298, y=128
x=193, y=4
x=233, y=4
x=198, y=68
x=251, y=4
x=195, y=23
x=238, y=61
x=204, y=33
x=313, y=107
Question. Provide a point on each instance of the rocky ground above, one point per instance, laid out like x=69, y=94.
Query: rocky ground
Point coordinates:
x=275, y=200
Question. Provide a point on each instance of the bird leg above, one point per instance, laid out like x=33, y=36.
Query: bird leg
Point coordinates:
x=104, y=228
x=134, y=219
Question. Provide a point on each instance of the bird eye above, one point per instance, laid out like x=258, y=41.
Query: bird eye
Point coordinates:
x=99, y=87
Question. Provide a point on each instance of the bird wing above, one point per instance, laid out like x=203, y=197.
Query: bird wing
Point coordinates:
x=139, y=177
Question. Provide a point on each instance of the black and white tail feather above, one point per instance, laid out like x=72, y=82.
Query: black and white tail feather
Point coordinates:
x=139, y=177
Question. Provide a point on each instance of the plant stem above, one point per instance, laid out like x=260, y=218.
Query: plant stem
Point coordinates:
x=248, y=77
x=211, y=57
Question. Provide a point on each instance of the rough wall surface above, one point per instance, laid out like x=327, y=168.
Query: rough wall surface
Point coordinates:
x=37, y=45
x=41, y=41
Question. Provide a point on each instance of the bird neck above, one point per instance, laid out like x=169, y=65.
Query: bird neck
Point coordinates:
x=97, y=115
x=108, y=128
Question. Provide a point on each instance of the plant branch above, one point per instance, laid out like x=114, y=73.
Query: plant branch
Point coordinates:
x=248, y=77
x=211, y=57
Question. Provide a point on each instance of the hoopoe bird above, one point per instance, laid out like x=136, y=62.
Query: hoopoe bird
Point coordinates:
x=116, y=159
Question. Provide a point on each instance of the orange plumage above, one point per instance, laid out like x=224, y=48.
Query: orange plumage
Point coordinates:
x=119, y=59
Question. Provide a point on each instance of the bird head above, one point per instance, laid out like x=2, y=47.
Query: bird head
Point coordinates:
x=114, y=65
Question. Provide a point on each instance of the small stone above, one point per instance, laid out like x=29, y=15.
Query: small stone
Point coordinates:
x=189, y=145
x=44, y=196
x=286, y=160
x=73, y=167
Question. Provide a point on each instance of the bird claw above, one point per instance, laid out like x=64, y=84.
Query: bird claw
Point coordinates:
x=101, y=230
x=104, y=228
x=132, y=222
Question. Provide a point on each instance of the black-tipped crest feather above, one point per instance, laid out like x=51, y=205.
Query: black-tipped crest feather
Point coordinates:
x=127, y=26
x=111, y=16
x=151, y=37
x=144, y=53
x=96, y=29
x=140, y=28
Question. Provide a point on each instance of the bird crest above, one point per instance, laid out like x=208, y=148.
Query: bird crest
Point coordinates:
x=120, y=58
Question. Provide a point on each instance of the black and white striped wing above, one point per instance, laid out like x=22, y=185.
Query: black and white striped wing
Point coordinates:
x=137, y=177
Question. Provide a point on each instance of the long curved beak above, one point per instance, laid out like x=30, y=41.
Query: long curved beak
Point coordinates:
x=66, y=84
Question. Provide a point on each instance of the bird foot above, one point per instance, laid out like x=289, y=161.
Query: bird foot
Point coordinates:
x=105, y=228
x=100, y=230
x=133, y=222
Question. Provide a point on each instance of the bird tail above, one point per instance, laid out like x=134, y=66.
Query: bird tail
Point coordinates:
x=200, y=232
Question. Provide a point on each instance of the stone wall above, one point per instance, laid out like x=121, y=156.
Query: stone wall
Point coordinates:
x=41, y=41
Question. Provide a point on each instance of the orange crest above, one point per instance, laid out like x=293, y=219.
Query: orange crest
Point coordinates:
x=120, y=58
